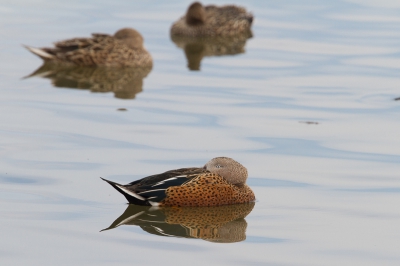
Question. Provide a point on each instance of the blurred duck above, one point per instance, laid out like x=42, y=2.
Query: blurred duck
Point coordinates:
x=124, y=48
x=212, y=21
x=222, y=181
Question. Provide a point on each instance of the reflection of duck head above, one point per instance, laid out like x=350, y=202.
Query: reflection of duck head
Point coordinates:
x=222, y=224
x=124, y=82
x=198, y=47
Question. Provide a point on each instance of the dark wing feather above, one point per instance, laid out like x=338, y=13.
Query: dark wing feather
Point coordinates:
x=130, y=198
x=77, y=43
x=153, y=187
x=156, y=192
x=153, y=179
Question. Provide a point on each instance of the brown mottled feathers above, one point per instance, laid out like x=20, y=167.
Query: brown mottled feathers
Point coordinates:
x=123, y=49
x=212, y=21
x=207, y=190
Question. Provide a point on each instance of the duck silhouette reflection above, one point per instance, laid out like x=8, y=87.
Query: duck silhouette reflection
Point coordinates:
x=221, y=224
x=125, y=82
x=196, y=48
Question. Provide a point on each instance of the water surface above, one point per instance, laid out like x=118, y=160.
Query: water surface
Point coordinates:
x=327, y=191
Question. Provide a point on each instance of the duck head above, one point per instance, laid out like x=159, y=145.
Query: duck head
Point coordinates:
x=131, y=37
x=196, y=14
x=232, y=171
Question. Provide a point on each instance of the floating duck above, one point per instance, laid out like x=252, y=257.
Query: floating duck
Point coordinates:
x=212, y=21
x=124, y=48
x=222, y=181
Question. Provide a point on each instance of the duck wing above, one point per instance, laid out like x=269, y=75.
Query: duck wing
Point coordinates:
x=151, y=189
x=65, y=50
x=79, y=43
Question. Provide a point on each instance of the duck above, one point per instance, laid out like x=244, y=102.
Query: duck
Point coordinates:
x=222, y=181
x=211, y=20
x=123, y=49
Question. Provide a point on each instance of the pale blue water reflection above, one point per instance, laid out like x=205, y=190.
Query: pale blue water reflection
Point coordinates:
x=327, y=194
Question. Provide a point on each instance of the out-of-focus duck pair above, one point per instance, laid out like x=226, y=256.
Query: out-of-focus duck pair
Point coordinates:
x=203, y=31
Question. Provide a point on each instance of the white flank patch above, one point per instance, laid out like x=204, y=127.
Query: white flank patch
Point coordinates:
x=154, y=204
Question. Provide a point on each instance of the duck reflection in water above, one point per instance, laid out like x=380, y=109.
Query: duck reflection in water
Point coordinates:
x=196, y=48
x=221, y=224
x=125, y=82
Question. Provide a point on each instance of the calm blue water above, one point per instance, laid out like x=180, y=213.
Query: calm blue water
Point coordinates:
x=328, y=192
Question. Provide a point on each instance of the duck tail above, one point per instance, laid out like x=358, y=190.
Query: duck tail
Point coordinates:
x=39, y=52
x=131, y=196
x=250, y=18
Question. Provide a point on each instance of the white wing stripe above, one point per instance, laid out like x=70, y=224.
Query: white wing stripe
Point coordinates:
x=131, y=193
x=151, y=190
x=169, y=179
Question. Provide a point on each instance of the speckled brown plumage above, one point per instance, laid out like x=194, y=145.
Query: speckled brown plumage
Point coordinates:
x=207, y=190
x=222, y=181
x=211, y=20
x=124, y=48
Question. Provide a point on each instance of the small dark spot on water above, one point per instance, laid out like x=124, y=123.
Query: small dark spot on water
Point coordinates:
x=397, y=99
x=122, y=109
x=309, y=122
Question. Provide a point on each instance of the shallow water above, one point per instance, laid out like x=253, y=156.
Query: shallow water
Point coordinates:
x=327, y=192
